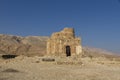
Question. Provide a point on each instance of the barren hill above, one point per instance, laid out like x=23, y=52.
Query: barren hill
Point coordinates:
x=36, y=45
x=101, y=53
x=30, y=45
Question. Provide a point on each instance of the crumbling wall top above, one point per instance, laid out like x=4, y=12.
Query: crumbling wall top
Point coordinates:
x=65, y=33
x=68, y=30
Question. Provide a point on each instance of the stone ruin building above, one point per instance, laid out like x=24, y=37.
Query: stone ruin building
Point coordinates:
x=64, y=43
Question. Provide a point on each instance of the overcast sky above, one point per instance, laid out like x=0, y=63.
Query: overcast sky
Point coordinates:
x=97, y=22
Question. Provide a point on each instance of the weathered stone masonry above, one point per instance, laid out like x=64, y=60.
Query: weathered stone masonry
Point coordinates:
x=64, y=43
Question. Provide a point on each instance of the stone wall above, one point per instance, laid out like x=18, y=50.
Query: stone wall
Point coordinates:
x=57, y=43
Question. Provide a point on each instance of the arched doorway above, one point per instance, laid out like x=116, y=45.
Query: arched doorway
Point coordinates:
x=68, y=51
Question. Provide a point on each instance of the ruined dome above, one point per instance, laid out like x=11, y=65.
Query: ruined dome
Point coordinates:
x=64, y=43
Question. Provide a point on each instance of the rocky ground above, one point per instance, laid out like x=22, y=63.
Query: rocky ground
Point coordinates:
x=33, y=68
x=95, y=64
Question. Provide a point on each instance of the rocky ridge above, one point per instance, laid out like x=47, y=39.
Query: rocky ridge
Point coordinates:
x=36, y=46
x=30, y=45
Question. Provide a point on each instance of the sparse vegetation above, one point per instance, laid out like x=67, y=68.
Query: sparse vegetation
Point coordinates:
x=9, y=56
x=48, y=59
x=10, y=70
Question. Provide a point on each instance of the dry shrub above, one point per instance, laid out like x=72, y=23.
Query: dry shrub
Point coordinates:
x=11, y=70
x=48, y=59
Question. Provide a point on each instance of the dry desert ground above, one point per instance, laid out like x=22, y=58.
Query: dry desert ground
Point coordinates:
x=32, y=68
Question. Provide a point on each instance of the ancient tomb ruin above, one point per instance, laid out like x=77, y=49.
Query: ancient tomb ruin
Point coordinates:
x=64, y=43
